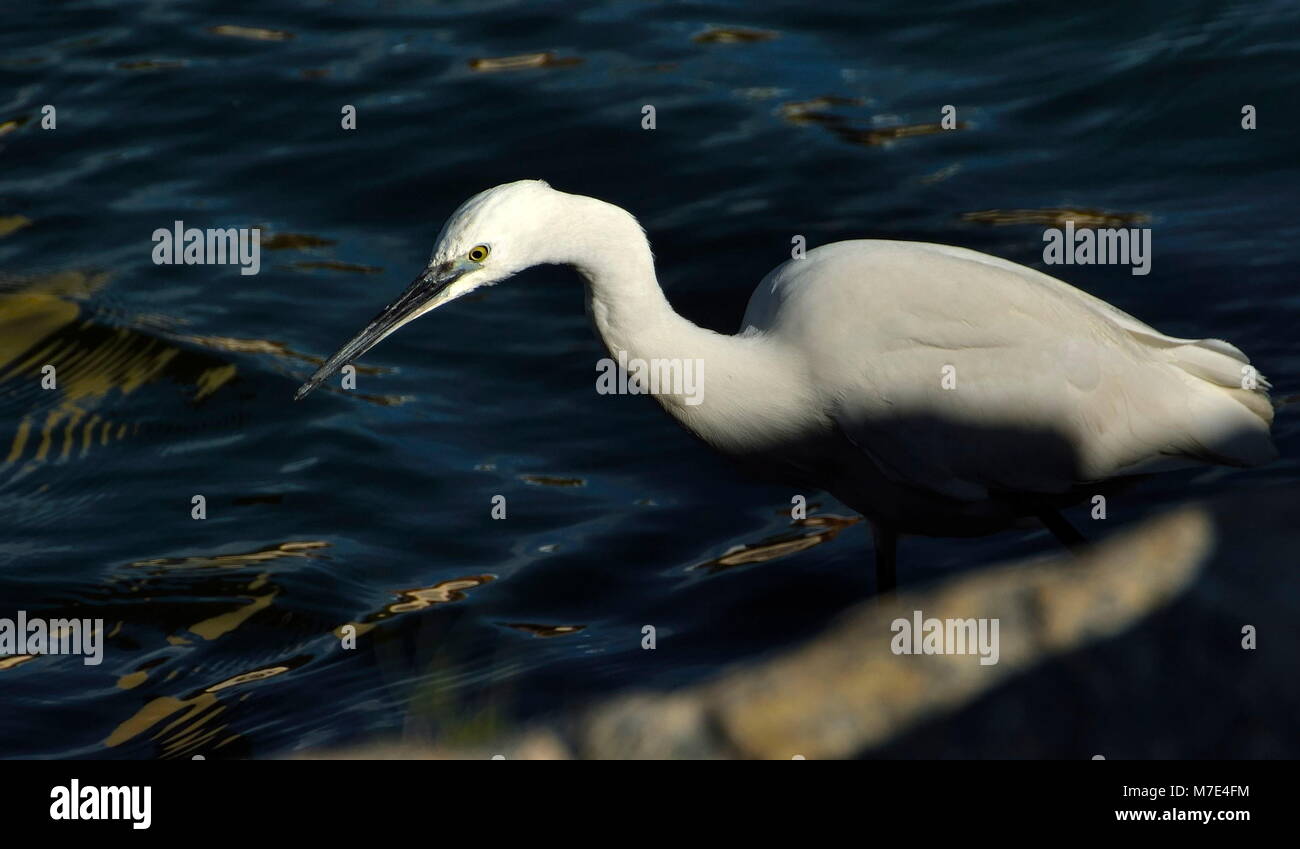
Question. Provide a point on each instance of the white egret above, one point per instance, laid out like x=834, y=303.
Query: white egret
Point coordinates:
x=934, y=389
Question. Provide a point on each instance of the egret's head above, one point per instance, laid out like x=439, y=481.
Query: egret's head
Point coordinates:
x=491, y=236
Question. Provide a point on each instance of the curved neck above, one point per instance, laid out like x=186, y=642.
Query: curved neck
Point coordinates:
x=639, y=328
x=608, y=248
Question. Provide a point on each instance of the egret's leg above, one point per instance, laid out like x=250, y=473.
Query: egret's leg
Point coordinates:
x=1061, y=529
x=886, y=539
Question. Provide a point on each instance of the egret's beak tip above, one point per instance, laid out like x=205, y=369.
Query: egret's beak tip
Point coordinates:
x=408, y=306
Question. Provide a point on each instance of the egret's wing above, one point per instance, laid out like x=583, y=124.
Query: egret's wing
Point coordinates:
x=963, y=374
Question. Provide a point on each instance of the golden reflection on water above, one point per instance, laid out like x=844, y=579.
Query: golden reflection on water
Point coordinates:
x=281, y=351
x=813, y=111
x=818, y=111
x=252, y=33
x=733, y=35
x=523, y=61
x=186, y=730
x=33, y=334
x=216, y=626
x=1056, y=217
x=783, y=545
x=419, y=598
x=12, y=224
x=14, y=660
x=194, y=719
x=885, y=135
x=46, y=321
x=544, y=630
x=40, y=327
x=131, y=680
x=63, y=284
x=249, y=677
x=182, y=725
x=194, y=727
x=185, y=602
x=298, y=548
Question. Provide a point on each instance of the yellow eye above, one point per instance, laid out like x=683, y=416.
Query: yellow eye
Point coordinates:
x=478, y=253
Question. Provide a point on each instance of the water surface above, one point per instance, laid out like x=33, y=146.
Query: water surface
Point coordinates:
x=373, y=508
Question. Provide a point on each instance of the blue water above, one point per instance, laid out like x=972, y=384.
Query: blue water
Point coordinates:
x=177, y=380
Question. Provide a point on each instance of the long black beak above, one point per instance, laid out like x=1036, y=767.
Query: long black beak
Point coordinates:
x=407, y=307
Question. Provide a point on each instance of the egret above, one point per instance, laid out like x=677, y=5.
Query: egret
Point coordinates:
x=935, y=390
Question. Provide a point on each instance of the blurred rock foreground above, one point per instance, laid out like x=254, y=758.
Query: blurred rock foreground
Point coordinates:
x=1133, y=650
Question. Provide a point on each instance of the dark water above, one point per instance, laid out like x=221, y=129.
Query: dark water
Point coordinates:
x=373, y=507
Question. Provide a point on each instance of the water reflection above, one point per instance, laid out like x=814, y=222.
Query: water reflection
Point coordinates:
x=827, y=527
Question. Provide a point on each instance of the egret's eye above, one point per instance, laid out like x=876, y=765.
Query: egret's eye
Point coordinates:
x=478, y=253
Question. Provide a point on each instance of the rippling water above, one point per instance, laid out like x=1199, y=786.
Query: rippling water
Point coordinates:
x=372, y=508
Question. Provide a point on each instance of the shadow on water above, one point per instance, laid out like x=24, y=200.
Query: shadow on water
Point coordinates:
x=371, y=508
x=196, y=634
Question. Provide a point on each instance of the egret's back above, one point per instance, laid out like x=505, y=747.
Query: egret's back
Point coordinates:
x=964, y=374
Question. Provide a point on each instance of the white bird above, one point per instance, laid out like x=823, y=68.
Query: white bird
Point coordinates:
x=934, y=389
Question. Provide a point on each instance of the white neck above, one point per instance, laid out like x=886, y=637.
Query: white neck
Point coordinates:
x=608, y=248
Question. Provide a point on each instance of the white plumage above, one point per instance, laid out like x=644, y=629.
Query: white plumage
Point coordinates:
x=935, y=389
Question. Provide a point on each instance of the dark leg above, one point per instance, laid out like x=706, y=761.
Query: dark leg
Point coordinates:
x=1061, y=529
x=886, y=557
